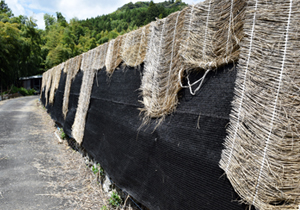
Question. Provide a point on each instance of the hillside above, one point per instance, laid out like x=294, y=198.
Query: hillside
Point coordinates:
x=129, y=17
x=26, y=50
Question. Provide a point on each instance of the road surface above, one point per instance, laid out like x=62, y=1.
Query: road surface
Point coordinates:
x=26, y=144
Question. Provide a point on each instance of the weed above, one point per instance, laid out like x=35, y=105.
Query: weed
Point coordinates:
x=104, y=208
x=115, y=200
x=62, y=134
x=95, y=169
x=101, y=171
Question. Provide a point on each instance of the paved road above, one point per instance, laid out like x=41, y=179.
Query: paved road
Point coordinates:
x=25, y=144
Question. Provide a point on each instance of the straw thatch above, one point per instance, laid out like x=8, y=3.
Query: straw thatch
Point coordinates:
x=134, y=46
x=261, y=156
x=113, y=59
x=71, y=68
x=48, y=85
x=230, y=32
x=55, y=75
x=160, y=83
x=103, y=55
x=200, y=28
x=214, y=29
x=99, y=57
x=85, y=94
x=109, y=56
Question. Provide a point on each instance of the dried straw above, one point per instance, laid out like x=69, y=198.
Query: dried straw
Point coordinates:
x=261, y=155
x=109, y=56
x=114, y=55
x=103, y=54
x=230, y=30
x=99, y=57
x=48, y=84
x=72, y=67
x=160, y=83
x=134, y=46
x=214, y=29
x=55, y=75
x=200, y=28
x=84, y=97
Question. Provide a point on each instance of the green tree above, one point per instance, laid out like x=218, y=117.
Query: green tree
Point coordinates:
x=5, y=9
x=49, y=20
x=61, y=19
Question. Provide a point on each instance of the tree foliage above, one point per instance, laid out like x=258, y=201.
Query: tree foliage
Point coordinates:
x=26, y=50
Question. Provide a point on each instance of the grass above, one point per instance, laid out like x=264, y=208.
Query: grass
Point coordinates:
x=62, y=134
x=115, y=200
x=21, y=90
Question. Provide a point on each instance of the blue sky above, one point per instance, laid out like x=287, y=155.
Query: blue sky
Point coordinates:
x=81, y=9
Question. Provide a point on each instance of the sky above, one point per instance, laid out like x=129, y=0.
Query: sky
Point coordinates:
x=81, y=9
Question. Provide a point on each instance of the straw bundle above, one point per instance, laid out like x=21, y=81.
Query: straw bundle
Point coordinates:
x=114, y=55
x=55, y=75
x=261, y=156
x=72, y=67
x=84, y=97
x=109, y=56
x=48, y=85
x=103, y=54
x=99, y=60
x=134, y=46
x=44, y=80
x=214, y=29
x=200, y=28
x=160, y=83
x=230, y=30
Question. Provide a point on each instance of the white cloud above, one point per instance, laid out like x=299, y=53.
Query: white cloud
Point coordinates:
x=40, y=20
x=16, y=7
x=81, y=9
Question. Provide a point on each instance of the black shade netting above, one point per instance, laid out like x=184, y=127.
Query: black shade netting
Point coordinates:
x=174, y=166
x=43, y=96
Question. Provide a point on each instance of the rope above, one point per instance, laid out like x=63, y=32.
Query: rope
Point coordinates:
x=276, y=99
x=205, y=36
x=243, y=86
x=172, y=54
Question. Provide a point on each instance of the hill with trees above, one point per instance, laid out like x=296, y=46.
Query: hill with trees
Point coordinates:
x=26, y=50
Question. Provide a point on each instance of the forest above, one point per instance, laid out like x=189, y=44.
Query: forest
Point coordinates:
x=26, y=50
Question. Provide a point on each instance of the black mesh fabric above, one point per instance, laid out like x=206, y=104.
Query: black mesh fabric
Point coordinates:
x=172, y=167
x=43, y=96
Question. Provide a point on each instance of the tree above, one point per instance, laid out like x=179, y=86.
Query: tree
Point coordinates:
x=10, y=42
x=61, y=19
x=49, y=20
x=152, y=12
x=5, y=9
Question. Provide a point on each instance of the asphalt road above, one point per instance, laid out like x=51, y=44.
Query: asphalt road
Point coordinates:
x=26, y=144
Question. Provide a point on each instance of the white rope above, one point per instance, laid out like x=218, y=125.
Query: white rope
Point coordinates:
x=190, y=28
x=172, y=54
x=229, y=28
x=157, y=63
x=186, y=46
x=117, y=54
x=204, y=45
x=201, y=80
x=243, y=87
x=143, y=33
x=276, y=99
